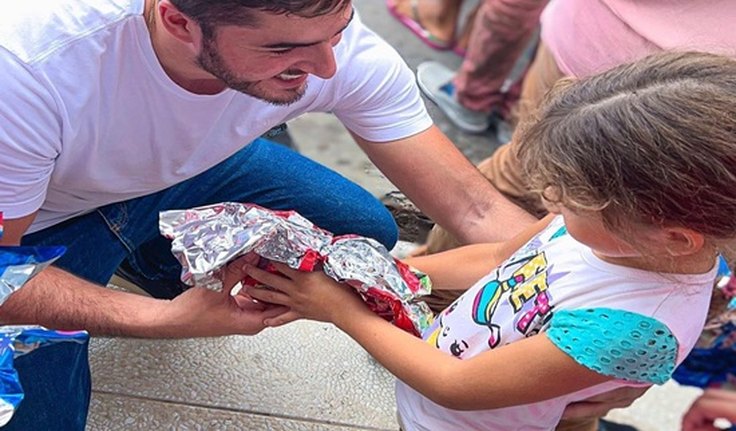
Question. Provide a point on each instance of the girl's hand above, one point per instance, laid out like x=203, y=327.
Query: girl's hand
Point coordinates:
x=310, y=295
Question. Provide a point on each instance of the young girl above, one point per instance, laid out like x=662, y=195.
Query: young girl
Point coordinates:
x=637, y=167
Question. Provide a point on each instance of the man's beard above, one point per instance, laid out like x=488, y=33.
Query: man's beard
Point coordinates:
x=210, y=60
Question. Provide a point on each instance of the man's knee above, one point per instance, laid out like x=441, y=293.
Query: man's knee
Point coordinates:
x=376, y=222
x=388, y=232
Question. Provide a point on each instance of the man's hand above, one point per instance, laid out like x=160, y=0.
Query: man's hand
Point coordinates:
x=199, y=312
x=712, y=405
x=600, y=405
x=57, y=299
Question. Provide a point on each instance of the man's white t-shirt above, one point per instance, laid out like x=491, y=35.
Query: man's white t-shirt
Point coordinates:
x=89, y=117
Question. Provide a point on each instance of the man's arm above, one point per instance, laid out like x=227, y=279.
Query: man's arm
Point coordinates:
x=60, y=300
x=438, y=178
x=13, y=230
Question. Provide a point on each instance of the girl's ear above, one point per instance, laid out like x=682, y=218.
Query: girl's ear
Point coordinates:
x=682, y=241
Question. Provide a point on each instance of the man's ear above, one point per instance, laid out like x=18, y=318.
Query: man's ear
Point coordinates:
x=178, y=25
x=682, y=241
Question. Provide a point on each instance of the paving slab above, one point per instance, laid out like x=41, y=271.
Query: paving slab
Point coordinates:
x=119, y=413
x=660, y=409
x=306, y=371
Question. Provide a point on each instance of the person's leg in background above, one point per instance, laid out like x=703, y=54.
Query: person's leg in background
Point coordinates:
x=502, y=168
x=487, y=84
x=434, y=22
x=502, y=29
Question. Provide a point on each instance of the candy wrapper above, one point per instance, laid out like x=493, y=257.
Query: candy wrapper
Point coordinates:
x=204, y=239
x=17, y=266
x=712, y=363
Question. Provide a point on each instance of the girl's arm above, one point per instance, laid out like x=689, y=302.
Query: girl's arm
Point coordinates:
x=459, y=268
x=522, y=372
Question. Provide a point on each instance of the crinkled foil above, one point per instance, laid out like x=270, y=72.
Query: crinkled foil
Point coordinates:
x=20, y=264
x=367, y=266
x=206, y=238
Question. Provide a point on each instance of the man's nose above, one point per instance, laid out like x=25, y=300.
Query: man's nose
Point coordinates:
x=321, y=60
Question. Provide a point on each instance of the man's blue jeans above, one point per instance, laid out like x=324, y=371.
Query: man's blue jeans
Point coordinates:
x=56, y=388
x=264, y=173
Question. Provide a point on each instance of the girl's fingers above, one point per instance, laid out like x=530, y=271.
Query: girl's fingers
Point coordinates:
x=285, y=269
x=282, y=319
x=272, y=280
x=267, y=295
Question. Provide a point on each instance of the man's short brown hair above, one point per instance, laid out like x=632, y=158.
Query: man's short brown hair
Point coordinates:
x=211, y=13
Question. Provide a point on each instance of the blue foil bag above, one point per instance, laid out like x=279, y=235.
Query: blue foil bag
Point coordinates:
x=17, y=266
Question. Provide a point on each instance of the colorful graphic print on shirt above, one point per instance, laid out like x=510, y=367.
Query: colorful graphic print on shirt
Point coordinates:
x=521, y=284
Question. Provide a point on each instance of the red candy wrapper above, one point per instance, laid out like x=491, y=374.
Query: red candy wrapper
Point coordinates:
x=205, y=239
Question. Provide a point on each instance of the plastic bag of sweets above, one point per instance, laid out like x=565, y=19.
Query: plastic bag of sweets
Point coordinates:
x=204, y=239
x=17, y=266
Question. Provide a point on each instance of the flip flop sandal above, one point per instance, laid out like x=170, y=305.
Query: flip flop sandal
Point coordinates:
x=414, y=24
x=461, y=52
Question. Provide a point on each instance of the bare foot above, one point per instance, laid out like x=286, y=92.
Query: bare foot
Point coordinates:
x=438, y=17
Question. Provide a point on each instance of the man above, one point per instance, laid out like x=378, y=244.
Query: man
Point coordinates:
x=116, y=109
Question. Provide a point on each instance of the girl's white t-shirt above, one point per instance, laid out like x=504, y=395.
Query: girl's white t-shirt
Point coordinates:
x=553, y=275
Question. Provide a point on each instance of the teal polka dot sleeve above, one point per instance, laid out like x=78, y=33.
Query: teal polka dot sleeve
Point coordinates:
x=616, y=343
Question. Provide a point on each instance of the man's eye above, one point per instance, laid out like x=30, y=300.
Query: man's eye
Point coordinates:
x=281, y=51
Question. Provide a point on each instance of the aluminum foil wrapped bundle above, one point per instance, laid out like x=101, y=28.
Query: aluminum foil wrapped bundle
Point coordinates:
x=387, y=285
x=204, y=239
x=20, y=264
